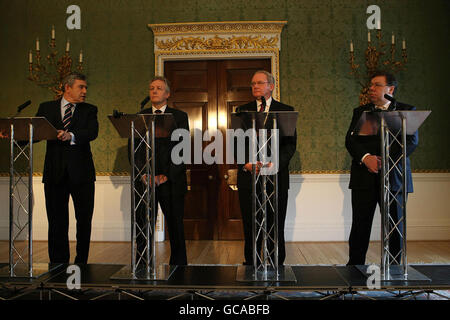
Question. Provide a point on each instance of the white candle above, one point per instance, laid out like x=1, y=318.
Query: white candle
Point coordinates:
x=81, y=56
x=37, y=44
x=368, y=36
x=403, y=44
x=53, y=32
x=393, y=38
x=351, y=46
x=67, y=46
x=30, y=57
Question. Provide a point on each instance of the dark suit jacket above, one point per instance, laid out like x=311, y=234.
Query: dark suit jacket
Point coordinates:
x=176, y=174
x=358, y=146
x=61, y=156
x=288, y=146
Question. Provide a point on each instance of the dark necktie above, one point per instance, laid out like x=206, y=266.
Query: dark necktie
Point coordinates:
x=158, y=111
x=67, y=116
x=262, y=106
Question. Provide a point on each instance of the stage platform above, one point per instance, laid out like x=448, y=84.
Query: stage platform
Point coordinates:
x=219, y=282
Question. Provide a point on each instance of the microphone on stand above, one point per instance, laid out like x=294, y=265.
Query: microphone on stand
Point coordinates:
x=263, y=103
x=144, y=102
x=393, y=104
x=21, y=107
x=117, y=114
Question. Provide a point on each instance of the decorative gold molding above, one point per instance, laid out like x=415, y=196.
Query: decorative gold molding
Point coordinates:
x=217, y=42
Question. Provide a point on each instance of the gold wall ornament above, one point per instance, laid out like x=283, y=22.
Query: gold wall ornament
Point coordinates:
x=50, y=74
x=217, y=42
x=373, y=59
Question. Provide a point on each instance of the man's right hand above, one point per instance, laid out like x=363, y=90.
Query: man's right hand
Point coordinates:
x=258, y=166
x=373, y=163
x=159, y=179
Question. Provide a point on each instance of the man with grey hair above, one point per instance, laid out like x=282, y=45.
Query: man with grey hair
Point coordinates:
x=170, y=178
x=69, y=168
x=263, y=84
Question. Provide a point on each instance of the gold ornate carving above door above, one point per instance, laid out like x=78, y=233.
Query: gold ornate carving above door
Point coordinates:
x=219, y=40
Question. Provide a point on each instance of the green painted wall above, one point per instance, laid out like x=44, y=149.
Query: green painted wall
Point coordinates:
x=314, y=70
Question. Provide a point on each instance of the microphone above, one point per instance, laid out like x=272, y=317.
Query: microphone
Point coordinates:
x=144, y=102
x=23, y=106
x=263, y=101
x=117, y=114
x=393, y=105
x=263, y=105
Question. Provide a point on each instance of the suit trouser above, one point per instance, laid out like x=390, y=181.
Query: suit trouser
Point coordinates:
x=57, y=205
x=364, y=203
x=172, y=206
x=245, y=196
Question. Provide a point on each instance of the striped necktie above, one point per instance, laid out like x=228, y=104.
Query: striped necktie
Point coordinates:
x=67, y=116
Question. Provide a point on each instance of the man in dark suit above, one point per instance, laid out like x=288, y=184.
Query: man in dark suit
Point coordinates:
x=263, y=84
x=170, y=178
x=365, y=180
x=69, y=169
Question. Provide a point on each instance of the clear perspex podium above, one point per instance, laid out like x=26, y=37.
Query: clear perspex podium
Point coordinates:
x=264, y=130
x=393, y=128
x=22, y=131
x=142, y=129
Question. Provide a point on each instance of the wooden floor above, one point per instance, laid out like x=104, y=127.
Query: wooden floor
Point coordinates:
x=231, y=252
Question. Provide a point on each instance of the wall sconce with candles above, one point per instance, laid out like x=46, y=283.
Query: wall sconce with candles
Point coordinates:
x=373, y=61
x=51, y=74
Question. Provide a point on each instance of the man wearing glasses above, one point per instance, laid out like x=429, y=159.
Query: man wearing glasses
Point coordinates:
x=263, y=84
x=365, y=180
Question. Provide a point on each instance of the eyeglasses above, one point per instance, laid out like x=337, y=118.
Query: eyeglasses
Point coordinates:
x=259, y=83
x=378, y=85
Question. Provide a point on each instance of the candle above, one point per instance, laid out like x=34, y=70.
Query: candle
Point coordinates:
x=37, y=44
x=30, y=57
x=81, y=56
x=368, y=36
x=393, y=38
x=53, y=32
x=67, y=46
x=351, y=46
x=404, y=44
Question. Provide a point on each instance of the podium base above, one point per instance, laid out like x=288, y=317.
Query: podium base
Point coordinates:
x=161, y=273
x=22, y=271
x=247, y=273
x=395, y=273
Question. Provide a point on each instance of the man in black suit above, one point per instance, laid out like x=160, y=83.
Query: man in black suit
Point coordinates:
x=69, y=169
x=263, y=84
x=170, y=178
x=365, y=180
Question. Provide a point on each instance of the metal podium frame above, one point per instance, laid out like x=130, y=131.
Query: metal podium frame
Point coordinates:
x=23, y=129
x=394, y=126
x=264, y=200
x=142, y=130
